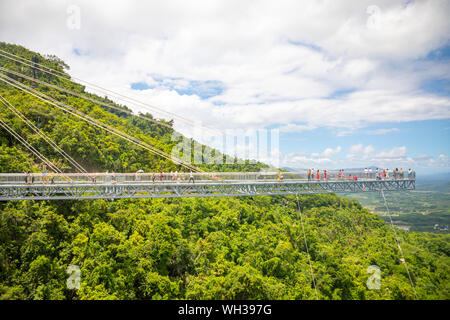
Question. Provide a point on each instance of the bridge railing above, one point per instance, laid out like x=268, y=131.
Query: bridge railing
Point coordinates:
x=205, y=177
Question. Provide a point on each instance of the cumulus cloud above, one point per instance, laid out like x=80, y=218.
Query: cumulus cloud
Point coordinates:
x=422, y=157
x=328, y=152
x=356, y=149
x=360, y=156
x=270, y=64
x=444, y=160
x=383, y=131
x=292, y=127
x=299, y=66
x=392, y=154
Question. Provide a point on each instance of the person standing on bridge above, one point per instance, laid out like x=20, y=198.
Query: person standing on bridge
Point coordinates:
x=137, y=175
x=309, y=174
x=318, y=175
x=52, y=178
x=191, y=177
x=409, y=174
x=44, y=177
x=280, y=177
x=30, y=178
x=161, y=174
x=113, y=177
x=325, y=175
x=153, y=178
x=402, y=174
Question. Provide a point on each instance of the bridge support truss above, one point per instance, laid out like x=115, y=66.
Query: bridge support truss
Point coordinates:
x=177, y=190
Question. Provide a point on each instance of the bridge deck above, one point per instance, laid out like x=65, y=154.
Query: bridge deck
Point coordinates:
x=206, y=188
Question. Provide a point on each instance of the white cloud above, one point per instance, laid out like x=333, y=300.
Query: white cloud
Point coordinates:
x=369, y=150
x=383, y=131
x=300, y=66
x=394, y=153
x=328, y=152
x=422, y=157
x=444, y=160
x=291, y=127
x=356, y=149
x=277, y=64
x=361, y=156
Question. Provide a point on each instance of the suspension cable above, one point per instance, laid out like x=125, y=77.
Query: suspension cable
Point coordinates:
x=86, y=98
x=43, y=135
x=95, y=122
x=307, y=250
x=63, y=75
x=27, y=145
x=399, y=246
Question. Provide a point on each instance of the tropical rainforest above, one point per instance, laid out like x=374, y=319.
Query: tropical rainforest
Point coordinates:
x=280, y=247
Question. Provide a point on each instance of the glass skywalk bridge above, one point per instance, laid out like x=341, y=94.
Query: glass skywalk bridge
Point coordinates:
x=39, y=186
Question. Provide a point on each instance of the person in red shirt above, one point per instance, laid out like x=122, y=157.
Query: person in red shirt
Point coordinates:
x=325, y=175
x=317, y=175
x=355, y=178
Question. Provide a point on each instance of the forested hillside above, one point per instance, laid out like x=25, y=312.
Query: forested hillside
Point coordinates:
x=193, y=248
x=93, y=148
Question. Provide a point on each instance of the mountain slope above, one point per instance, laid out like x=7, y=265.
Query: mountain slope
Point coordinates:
x=93, y=148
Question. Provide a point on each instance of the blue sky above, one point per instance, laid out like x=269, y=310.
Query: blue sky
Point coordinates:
x=429, y=137
x=371, y=86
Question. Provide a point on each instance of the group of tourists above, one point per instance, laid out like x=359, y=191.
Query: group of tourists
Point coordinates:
x=395, y=174
x=312, y=174
x=171, y=176
x=368, y=173
x=316, y=174
x=45, y=178
x=49, y=177
x=156, y=177
x=341, y=175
